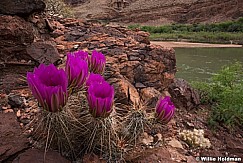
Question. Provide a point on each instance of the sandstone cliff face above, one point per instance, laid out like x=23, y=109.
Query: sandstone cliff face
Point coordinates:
x=162, y=11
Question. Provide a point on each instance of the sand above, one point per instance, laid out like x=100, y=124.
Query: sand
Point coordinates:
x=192, y=45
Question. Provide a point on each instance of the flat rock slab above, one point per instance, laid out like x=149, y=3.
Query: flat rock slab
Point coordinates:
x=43, y=52
x=37, y=156
x=12, y=140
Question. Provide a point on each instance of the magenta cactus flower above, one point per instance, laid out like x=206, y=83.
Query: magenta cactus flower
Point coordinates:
x=100, y=99
x=165, y=110
x=49, y=87
x=83, y=55
x=97, y=62
x=94, y=78
x=77, y=70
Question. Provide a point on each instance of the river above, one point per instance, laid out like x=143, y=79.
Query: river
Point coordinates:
x=199, y=64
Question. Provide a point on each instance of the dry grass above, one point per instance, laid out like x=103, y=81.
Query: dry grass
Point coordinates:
x=59, y=130
x=134, y=123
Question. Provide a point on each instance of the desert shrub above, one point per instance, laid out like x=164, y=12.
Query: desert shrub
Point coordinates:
x=133, y=26
x=240, y=20
x=147, y=28
x=224, y=32
x=58, y=7
x=229, y=26
x=224, y=93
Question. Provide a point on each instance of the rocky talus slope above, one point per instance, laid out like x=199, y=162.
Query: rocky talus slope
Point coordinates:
x=155, y=12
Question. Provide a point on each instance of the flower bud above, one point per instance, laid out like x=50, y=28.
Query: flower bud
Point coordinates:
x=165, y=110
x=100, y=99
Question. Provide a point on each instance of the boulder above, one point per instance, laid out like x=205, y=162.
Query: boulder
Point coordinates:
x=21, y=7
x=150, y=66
x=183, y=95
x=134, y=58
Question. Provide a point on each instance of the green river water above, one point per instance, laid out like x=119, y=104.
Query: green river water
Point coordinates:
x=199, y=64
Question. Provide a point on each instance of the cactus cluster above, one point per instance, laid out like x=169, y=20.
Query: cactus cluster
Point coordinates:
x=195, y=138
x=78, y=112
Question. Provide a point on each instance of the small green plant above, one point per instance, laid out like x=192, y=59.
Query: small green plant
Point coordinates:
x=224, y=93
x=58, y=7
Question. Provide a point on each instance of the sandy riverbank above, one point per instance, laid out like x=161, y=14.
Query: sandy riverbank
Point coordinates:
x=192, y=45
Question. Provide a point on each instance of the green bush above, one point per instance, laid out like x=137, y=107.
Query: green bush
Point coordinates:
x=211, y=37
x=224, y=32
x=134, y=26
x=225, y=93
x=230, y=26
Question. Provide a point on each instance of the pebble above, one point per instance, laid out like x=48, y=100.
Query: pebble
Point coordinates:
x=4, y=107
x=190, y=125
x=18, y=113
x=8, y=111
x=159, y=136
x=75, y=46
x=25, y=121
x=27, y=110
x=140, y=85
x=147, y=140
x=60, y=47
x=61, y=55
